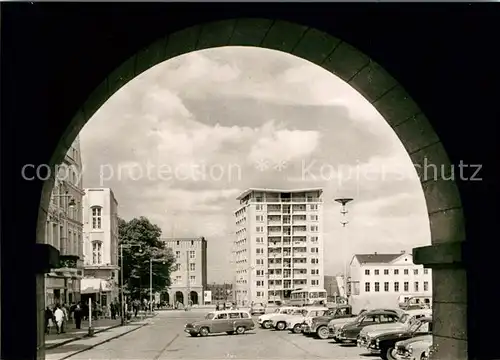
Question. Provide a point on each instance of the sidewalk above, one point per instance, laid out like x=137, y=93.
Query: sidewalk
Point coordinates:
x=55, y=340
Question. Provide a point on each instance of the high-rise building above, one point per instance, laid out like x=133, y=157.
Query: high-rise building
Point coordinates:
x=64, y=229
x=189, y=278
x=100, y=250
x=279, y=245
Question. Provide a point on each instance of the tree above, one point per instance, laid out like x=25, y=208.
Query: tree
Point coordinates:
x=141, y=242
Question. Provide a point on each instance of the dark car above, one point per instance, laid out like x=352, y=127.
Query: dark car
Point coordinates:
x=318, y=326
x=350, y=331
x=385, y=344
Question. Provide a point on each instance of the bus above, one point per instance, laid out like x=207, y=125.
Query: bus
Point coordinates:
x=308, y=296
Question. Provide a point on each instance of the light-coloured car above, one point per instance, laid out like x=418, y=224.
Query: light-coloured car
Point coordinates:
x=257, y=309
x=294, y=323
x=279, y=321
x=265, y=320
x=417, y=348
x=228, y=321
x=405, y=321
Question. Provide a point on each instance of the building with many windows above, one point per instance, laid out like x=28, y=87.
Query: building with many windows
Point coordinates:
x=189, y=278
x=64, y=230
x=100, y=250
x=278, y=246
x=381, y=280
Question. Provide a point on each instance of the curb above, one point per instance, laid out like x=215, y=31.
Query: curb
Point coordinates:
x=103, y=342
x=53, y=346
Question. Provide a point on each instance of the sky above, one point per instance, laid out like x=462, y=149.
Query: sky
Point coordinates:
x=178, y=143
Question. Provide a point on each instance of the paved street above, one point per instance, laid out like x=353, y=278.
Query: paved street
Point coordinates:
x=164, y=338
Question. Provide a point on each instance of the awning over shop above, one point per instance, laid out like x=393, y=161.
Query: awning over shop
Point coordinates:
x=94, y=286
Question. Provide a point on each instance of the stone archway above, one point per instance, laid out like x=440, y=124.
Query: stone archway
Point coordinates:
x=193, y=297
x=165, y=296
x=179, y=297
x=382, y=91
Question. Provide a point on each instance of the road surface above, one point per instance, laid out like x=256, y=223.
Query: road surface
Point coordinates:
x=164, y=338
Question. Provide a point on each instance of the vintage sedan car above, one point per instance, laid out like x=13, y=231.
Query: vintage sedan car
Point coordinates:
x=404, y=322
x=265, y=320
x=294, y=324
x=417, y=348
x=385, y=344
x=228, y=321
x=350, y=332
x=257, y=309
x=280, y=320
x=335, y=325
x=318, y=326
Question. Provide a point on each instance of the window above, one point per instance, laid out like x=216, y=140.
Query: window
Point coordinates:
x=314, y=228
x=259, y=240
x=177, y=267
x=377, y=272
x=234, y=315
x=384, y=318
x=314, y=238
x=192, y=267
x=396, y=271
x=178, y=242
x=259, y=218
x=415, y=271
x=260, y=293
x=96, y=217
x=178, y=254
x=97, y=252
x=314, y=261
x=377, y=287
x=192, y=242
x=386, y=271
x=192, y=279
x=396, y=286
x=259, y=207
x=386, y=286
x=405, y=286
x=314, y=250
x=426, y=286
x=314, y=217
x=406, y=271
x=415, y=285
x=367, y=287
x=260, y=283
x=178, y=280
x=245, y=316
x=260, y=272
x=259, y=229
x=259, y=251
x=259, y=261
x=313, y=207
x=314, y=271
x=222, y=317
x=367, y=272
x=314, y=282
x=426, y=271
x=370, y=319
x=192, y=254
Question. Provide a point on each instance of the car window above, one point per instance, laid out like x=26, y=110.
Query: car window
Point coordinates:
x=371, y=319
x=222, y=316
x=404, y=318
x=209, y=316
x=424, y=328
x=245, y=316
x=386, y=318
x=234, y=315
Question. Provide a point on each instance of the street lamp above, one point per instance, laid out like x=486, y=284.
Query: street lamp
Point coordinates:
x=343, y=221
x=151, y=260
x=128, y=246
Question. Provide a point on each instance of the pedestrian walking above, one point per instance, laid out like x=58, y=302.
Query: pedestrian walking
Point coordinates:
x=217, y=307
x=49, y=320
x=59, y=316
x=78, y=314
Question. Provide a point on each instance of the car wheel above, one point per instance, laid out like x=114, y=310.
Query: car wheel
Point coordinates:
x=390, y=354
x=230, y=332
x=266, y=324
x=323, y=333
x=297, y=329
x=424, y=357
x=240, y=330
x=280, y=326
x=204, y=331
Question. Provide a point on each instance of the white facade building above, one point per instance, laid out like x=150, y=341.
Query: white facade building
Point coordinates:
x=64, y=229
x=100, y=250
x=279, y=244
x=385, y=280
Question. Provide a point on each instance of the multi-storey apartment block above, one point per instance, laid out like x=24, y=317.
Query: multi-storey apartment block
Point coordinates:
x=189, y=278
x=381, y=280
x=278, y=246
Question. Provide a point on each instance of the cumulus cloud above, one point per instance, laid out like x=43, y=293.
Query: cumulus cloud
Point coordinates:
x=181, y=141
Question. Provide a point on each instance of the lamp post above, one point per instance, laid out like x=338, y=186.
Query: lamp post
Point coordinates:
x=128, y=246
x=343, y=221
x=151, y=260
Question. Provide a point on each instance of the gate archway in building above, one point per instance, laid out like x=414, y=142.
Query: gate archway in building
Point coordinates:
x=179, y=297
x=193, y=297
x=376, y=85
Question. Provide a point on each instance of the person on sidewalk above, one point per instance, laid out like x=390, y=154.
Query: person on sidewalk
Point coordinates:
x=59, y=315
x=113, y=311
x=49, y=320
x=78, y=314
x=64, y=308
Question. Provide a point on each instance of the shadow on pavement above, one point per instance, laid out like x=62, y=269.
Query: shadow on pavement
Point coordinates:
x=69, y=348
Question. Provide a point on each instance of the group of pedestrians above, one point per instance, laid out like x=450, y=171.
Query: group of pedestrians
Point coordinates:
x=59, y=316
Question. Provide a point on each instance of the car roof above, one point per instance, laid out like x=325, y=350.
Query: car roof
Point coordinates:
x=229, y=311
x=418, y=311
x=382, y=312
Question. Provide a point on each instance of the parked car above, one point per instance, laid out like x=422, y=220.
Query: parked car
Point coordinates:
x=350, y=332
x=228, y=321
x=417, y=348
x=294, y=323
x=335, y=325
x=405, y=321
x=265, y=320
x=257, y=309
x=318, y=326
x=385, y=344
x=280, y=320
